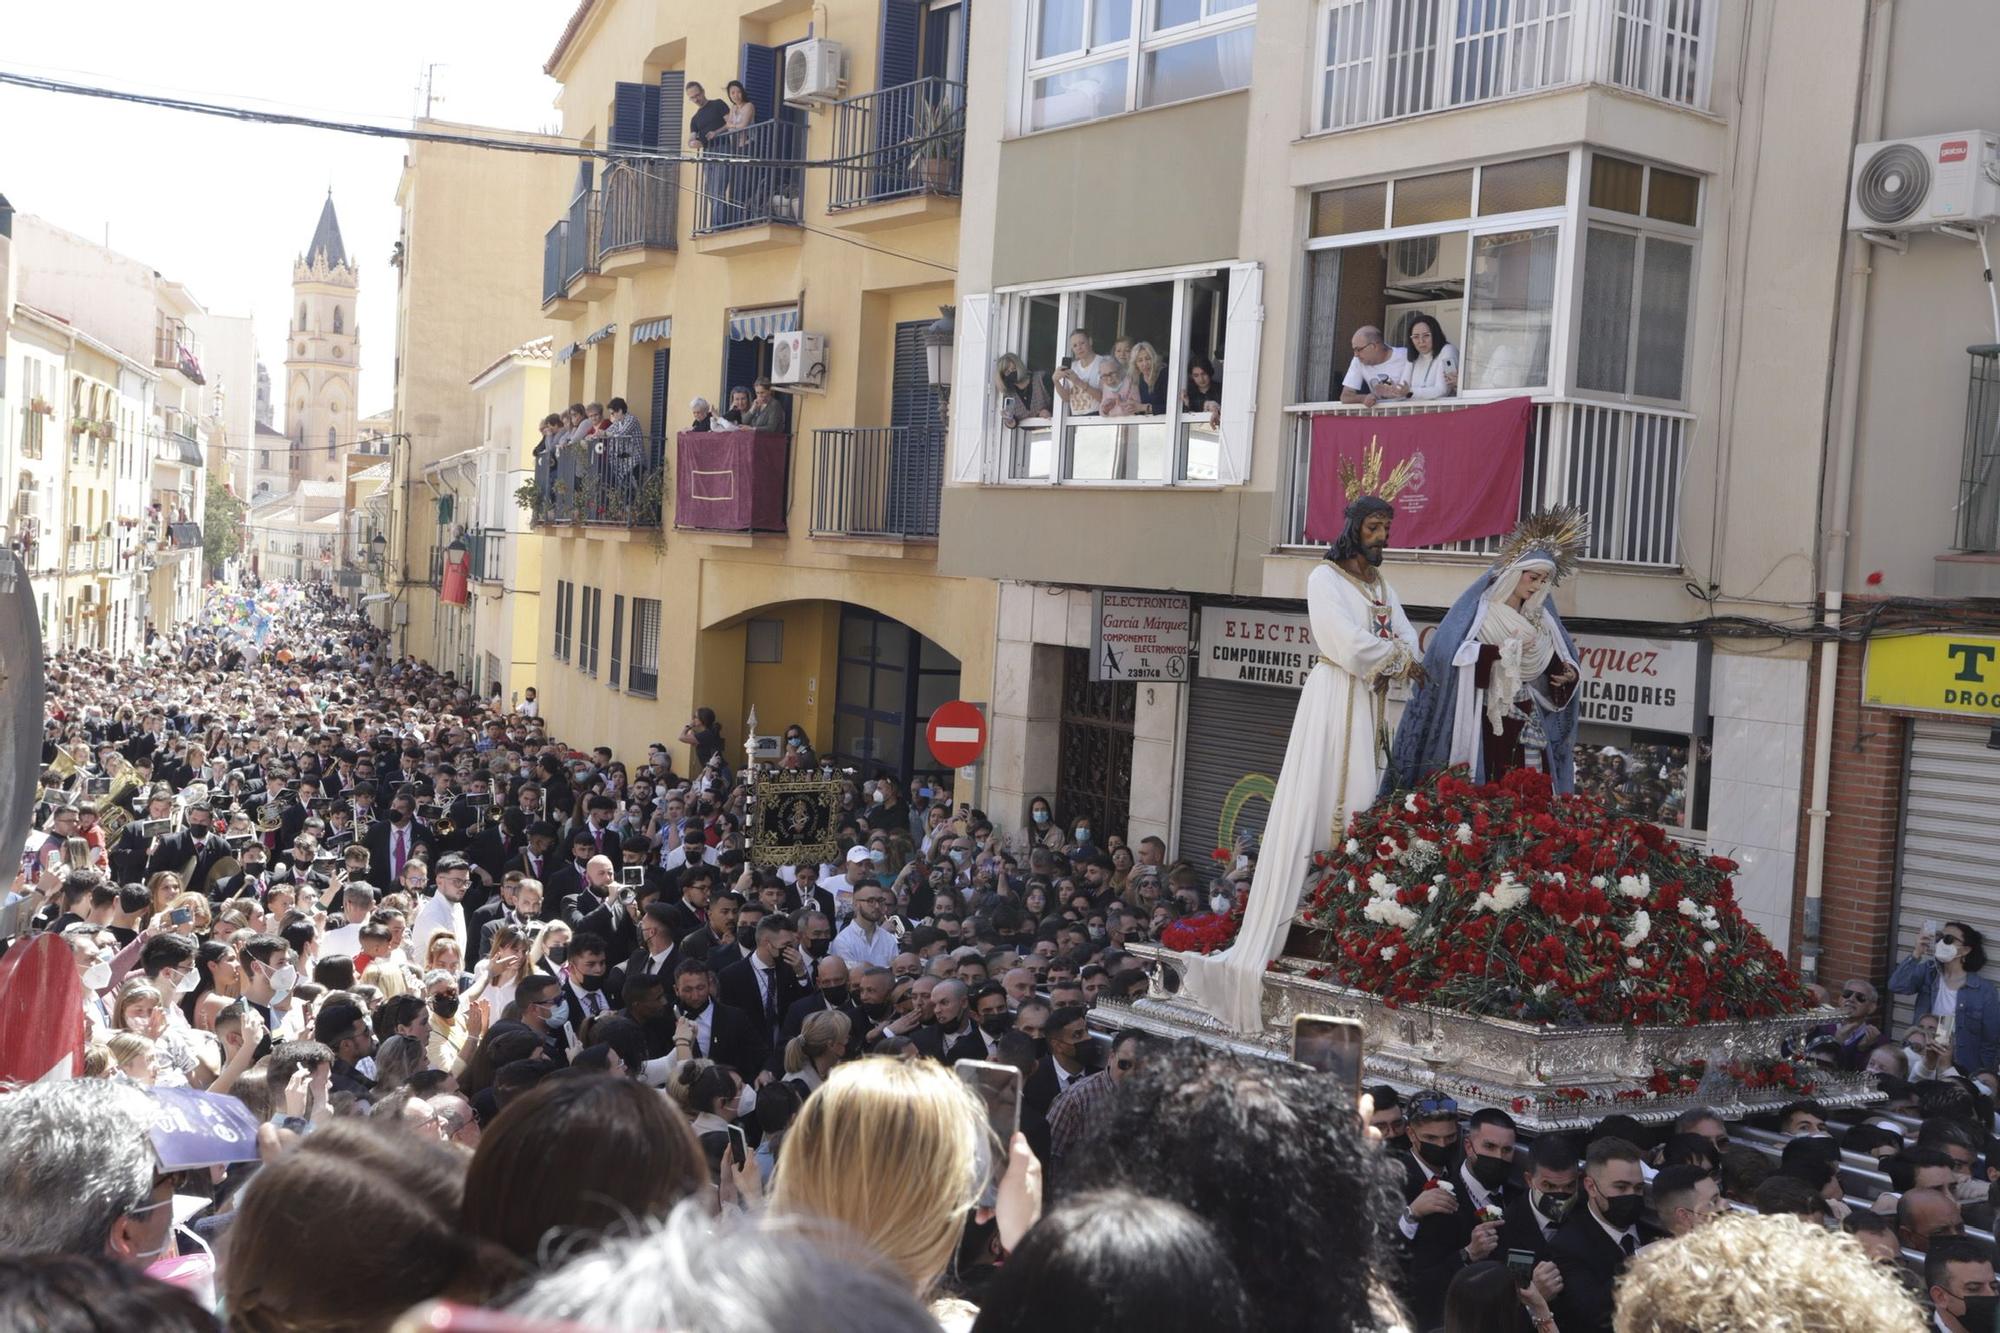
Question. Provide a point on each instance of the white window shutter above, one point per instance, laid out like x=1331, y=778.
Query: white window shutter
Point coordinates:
x=971, y=417
x=1242, y=344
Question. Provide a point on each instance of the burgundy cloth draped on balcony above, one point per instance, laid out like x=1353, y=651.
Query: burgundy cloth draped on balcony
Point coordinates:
x=1461, y=471
x=730, y=481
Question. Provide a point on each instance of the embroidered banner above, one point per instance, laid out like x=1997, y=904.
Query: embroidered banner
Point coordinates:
x=1452, y=476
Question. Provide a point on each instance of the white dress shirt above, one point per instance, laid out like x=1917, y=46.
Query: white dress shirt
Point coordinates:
x=853, y=946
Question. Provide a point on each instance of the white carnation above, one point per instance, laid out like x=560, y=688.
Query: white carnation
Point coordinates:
x=1708, y=946
x=1464, y=834
x=1389, y=953
x=1597, y=881
x=1410, y=803
x=1642, y=926
x=1690, y=908
x=1635, y=963
x=1502, y=897
x=1378, y=883
x=1389, y=912
x=1352, y=847
x=1639, y=886
x=1431, y=894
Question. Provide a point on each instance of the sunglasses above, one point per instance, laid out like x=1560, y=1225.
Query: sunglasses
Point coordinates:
x=1950, y=939
x=1435, y=1105
x=1853, y=995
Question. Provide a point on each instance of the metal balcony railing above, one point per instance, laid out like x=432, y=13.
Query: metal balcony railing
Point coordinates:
x=1979, y=474
x=552, y=261
x=606, y=483
x=752, y=176
x=877, y=481
x=1622, y=465
x=897, y=142
x=486, y=554
x=638, y=206
x=436, y=578
x=1387, y=59
x=579, y=253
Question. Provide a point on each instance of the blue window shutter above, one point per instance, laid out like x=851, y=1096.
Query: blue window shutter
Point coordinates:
x=629, y=115
x=585, y=176
x=760, y=78
x=658, y=425
x=902, y=28
x=739, y=368
x=673, y=109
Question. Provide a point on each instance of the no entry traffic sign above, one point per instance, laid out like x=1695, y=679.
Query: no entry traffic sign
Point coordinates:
x=957, y=733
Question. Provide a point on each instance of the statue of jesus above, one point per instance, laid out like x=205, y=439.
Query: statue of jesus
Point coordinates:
x=1333, y=762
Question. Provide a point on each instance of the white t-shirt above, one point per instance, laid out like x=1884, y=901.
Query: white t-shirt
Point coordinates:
x=1092, y=372
x=1945, y=1005
x=1364, y=378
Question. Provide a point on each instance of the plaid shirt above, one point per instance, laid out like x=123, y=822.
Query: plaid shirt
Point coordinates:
x=1070, y=1113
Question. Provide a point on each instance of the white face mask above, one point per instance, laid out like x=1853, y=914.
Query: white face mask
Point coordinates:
x=283, y=980
x=746, y=1101
x=188, y=981
x=97, y=976
x=1221, y=902
x=1944, y=952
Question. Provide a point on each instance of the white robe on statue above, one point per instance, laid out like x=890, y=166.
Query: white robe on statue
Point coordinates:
x=1332, y=770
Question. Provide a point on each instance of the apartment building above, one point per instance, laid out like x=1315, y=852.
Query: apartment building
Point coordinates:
x=1607, y=205
x=791, y=569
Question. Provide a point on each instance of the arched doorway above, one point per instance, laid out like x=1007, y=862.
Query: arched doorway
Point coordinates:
x=890, y=680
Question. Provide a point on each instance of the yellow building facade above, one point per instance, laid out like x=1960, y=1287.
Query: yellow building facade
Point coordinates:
x=793, y=572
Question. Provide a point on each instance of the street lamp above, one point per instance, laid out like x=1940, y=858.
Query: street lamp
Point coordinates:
x=937, y=351
x=378, y=546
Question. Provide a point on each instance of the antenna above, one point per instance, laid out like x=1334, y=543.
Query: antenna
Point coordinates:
x=430, y=86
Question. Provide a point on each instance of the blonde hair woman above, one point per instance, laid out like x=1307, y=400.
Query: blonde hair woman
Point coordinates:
x=387, y=977
x=162, y=885
x=890, y=1151
x=200, y=917
x=133, y=1056
x=820, y=1045
x=441, y=952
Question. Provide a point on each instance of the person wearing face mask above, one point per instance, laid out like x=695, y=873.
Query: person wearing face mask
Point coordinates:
x=706, y=1030
x=1448, y=1240
x=1684, y=1197
x=1942, y=973
x=889, y=812
x=1072, y=1056
x=1534, y=1213
x=268, y=978
x=539, y=1004
x=1959, y=1274
x=831, y=990
x=585, y=968
x=342, y=1028
x=1595, y=1242
x=81, y=1177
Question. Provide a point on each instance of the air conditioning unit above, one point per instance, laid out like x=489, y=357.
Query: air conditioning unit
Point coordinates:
x=1396, y=319
x=1914, y=184
x=1428, y=264
x=815, y=71
x=799, y=360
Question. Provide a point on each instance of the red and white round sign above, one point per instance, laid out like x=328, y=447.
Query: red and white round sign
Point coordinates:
x=957, y=733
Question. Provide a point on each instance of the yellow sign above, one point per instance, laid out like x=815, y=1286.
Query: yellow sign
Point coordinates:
x=1934, y=673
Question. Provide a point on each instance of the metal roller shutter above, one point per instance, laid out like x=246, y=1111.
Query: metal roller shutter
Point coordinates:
x=1951, y=837
x=1235, y=745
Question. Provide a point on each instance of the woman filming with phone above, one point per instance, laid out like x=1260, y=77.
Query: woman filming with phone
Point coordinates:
x=1942, y=972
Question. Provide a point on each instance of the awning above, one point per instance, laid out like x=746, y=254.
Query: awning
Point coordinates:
x=566, y=351
x=600, y=335
x=653, y=330
x=763, y=323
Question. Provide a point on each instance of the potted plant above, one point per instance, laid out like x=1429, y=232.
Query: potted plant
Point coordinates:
x=41, y=407
x=934, y=141
x=80, y=425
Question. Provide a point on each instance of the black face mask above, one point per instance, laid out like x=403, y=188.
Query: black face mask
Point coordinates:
x=695, y=1012
x=816, y=948
x=444, y=1006
x=1979, y=1311
x=1490, y=1172
x=399, y=817
x=1624, y=1210
x=997, y=1025
x=591, y=983
x=834, y=995
x=1555, y=1207
x=1436, y=1156
x=877, y=1011
x=1393, y=1141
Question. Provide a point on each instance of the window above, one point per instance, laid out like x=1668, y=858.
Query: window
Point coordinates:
x=645, y=673
x=565, y=602
x=586, y=657
x=1476, y=252
x=764, y=641
x=1141, y=380
x=1638, y=279
x=1093, y=58
x=617, y=639
x=339, y=320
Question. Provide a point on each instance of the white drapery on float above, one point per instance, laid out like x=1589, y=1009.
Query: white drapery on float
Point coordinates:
x=1333, y=767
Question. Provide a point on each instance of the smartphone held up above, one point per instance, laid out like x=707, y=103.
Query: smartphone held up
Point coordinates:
x=1330, y=1045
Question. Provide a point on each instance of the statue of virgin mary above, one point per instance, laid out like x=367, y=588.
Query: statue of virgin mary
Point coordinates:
x=1500, y=688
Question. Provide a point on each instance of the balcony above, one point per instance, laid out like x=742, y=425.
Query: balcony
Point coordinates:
x=901, y=152
x=1973, y=568
x=173, y=349
x=1622, y=465
x=601, y=484
x=1382, y=60
x=879, y=483
x=485, y=554
x=639, y=207
x=435, y=578
x=570, y=276
x=752, y=188
x=731, y=481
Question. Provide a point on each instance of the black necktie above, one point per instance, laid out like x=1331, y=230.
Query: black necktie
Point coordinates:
x=771, y=998
x=1629, y=1244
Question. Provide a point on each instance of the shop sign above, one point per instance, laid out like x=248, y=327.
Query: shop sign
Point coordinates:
x=1934, y=673
x=1140, y=635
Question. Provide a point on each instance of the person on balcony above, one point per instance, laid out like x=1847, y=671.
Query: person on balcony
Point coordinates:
x=1023, y=393
x=1148, y=381
x=742, y=111
x=708, y=120
x=766, y=412
x=1203, y=392
x=1376, y=365
x=1081, y=381
x=704, y=417
x=624, y=441
x=1433, y=363
x=739, y=405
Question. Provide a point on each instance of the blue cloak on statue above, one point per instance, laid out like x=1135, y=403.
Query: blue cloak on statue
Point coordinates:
x=1423, y=742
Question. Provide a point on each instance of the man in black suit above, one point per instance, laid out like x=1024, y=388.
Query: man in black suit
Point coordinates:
x=533, y=860
x=654, y=956
x=195, y=841
x=586, y=970
x=615, y=920
x=690, y=914
x=721, y=1032
x=127, y=857
x=831, y=990
x=523, y=912
x=1598, y=1238
x=1481, y=1188
x=766, y=984
x=1686, y=1196
x=566, y=880
x=950, y=1025
x=812, y=898
x=1534, y=1214
x=392, y=841
x=599, y=886
x=716, y=941
x=1070, y=1058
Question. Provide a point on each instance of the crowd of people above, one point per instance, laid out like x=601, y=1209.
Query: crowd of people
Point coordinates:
x=1132, y=380
x=522, y=1028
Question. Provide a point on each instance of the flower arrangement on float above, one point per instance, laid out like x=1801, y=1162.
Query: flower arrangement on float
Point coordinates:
x=1509, y=901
